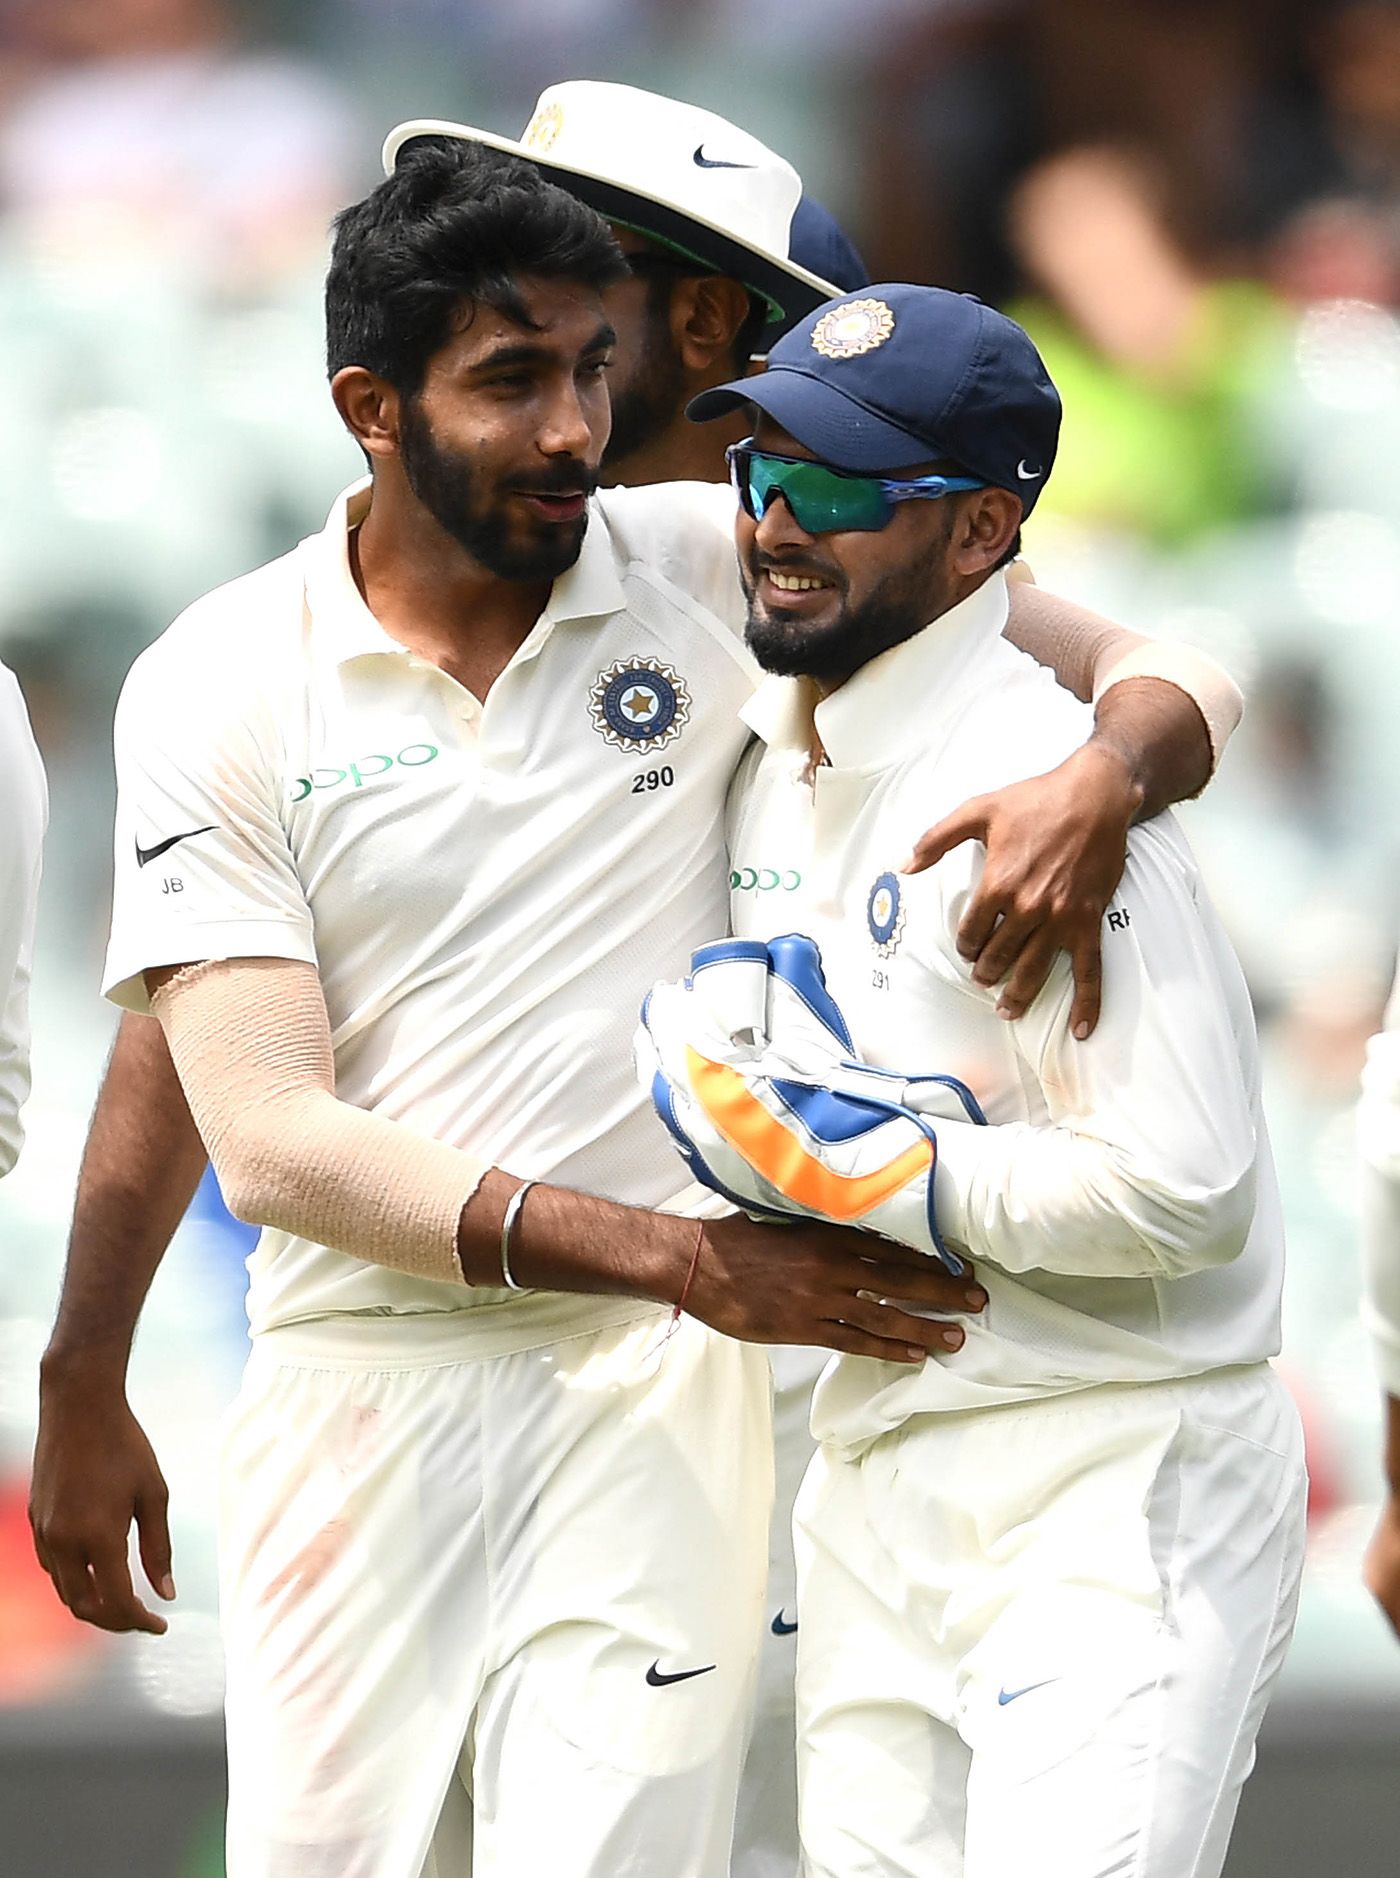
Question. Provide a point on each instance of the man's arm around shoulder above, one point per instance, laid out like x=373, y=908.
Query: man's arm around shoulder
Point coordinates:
x=1056, y=844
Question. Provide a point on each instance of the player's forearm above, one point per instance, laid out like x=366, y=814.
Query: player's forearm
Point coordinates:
x=140, y=1167
x=1159, y=737
x=294, y=1156
x=1051, y=1198
x=1166, y=711
x=567, y=1241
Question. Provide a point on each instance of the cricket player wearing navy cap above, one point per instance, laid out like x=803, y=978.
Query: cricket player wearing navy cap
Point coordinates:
x=1045, y=1584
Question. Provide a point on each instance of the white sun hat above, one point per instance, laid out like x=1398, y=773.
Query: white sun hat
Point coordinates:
x=681, y=176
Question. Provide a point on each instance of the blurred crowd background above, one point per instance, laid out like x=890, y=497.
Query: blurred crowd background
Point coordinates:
x=1194, y=205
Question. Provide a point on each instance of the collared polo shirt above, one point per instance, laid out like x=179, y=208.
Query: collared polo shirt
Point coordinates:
x=1121, y=1206
x=24, y=793
x=487, y=890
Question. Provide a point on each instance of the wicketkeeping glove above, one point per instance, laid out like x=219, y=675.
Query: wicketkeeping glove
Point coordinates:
x=752, y=1070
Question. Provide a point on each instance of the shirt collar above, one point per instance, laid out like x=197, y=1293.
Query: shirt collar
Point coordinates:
x=344, y=625
x=591, y=588
x=887, y=708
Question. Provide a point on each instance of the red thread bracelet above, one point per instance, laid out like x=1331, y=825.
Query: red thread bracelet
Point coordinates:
x=690, y=1275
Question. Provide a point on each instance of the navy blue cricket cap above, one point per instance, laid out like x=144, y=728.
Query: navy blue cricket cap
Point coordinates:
x=896, y=375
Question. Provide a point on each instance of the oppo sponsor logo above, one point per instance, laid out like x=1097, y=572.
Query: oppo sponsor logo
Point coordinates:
x=764, y=880
x=364, y=769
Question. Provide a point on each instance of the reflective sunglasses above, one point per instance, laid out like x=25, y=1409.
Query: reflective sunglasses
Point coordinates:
x=823, y=500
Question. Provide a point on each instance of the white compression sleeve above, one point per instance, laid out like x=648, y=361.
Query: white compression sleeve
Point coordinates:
x=251, y=1042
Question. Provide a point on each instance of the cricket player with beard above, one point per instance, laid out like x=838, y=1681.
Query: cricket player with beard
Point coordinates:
x=1044, y=1585
x=405, y=820
x=684, y=323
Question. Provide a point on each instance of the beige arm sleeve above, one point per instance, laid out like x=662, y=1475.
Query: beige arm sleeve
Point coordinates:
x=1088, y=654
x=252, y=1044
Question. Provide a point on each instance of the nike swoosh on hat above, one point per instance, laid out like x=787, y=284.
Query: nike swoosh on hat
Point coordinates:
x=645, y=161
x=703, y=162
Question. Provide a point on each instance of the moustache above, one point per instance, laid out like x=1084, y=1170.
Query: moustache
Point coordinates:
x=796, y=565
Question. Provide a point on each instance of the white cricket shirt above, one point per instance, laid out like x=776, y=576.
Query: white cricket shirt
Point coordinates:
x=487, y=891
x=1121, y=1208
x=1378, y=1136
x=25, y=796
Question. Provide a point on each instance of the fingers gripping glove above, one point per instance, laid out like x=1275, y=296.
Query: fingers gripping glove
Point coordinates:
x=751, y=1068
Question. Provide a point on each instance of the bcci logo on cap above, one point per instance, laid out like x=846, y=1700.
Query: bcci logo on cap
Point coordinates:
x=884, y=914
x=640, y=704
x=847, y=331
x=542, y=131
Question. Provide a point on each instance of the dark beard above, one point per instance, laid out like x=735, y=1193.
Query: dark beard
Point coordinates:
x=899, y=606
x=646, y=407
x=447, y=486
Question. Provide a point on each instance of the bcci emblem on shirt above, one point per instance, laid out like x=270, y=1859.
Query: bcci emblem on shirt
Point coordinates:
x=884, y=914
x=640, y=704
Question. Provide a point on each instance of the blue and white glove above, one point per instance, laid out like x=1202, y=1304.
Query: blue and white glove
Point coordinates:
x=752, y=1070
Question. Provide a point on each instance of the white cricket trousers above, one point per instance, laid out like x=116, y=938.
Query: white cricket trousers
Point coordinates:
x=493, y=1618
x=1040, y=1638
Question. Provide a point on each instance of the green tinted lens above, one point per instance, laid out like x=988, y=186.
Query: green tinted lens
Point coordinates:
x=821, y=500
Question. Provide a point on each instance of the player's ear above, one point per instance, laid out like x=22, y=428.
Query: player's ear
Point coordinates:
x=369, y=409
x=707, y=311
x=985, y=528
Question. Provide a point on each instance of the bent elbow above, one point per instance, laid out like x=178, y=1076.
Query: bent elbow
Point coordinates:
x=245, y=1159
x=246, y=1198
x=1205, y=1228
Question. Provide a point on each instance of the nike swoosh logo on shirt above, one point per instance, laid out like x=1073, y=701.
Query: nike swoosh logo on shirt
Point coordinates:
x=703, y=162
x=781, y=1627
x=658, y=1678
x=152, y=854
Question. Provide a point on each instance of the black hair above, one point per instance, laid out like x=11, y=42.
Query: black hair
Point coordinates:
x=457, y=223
